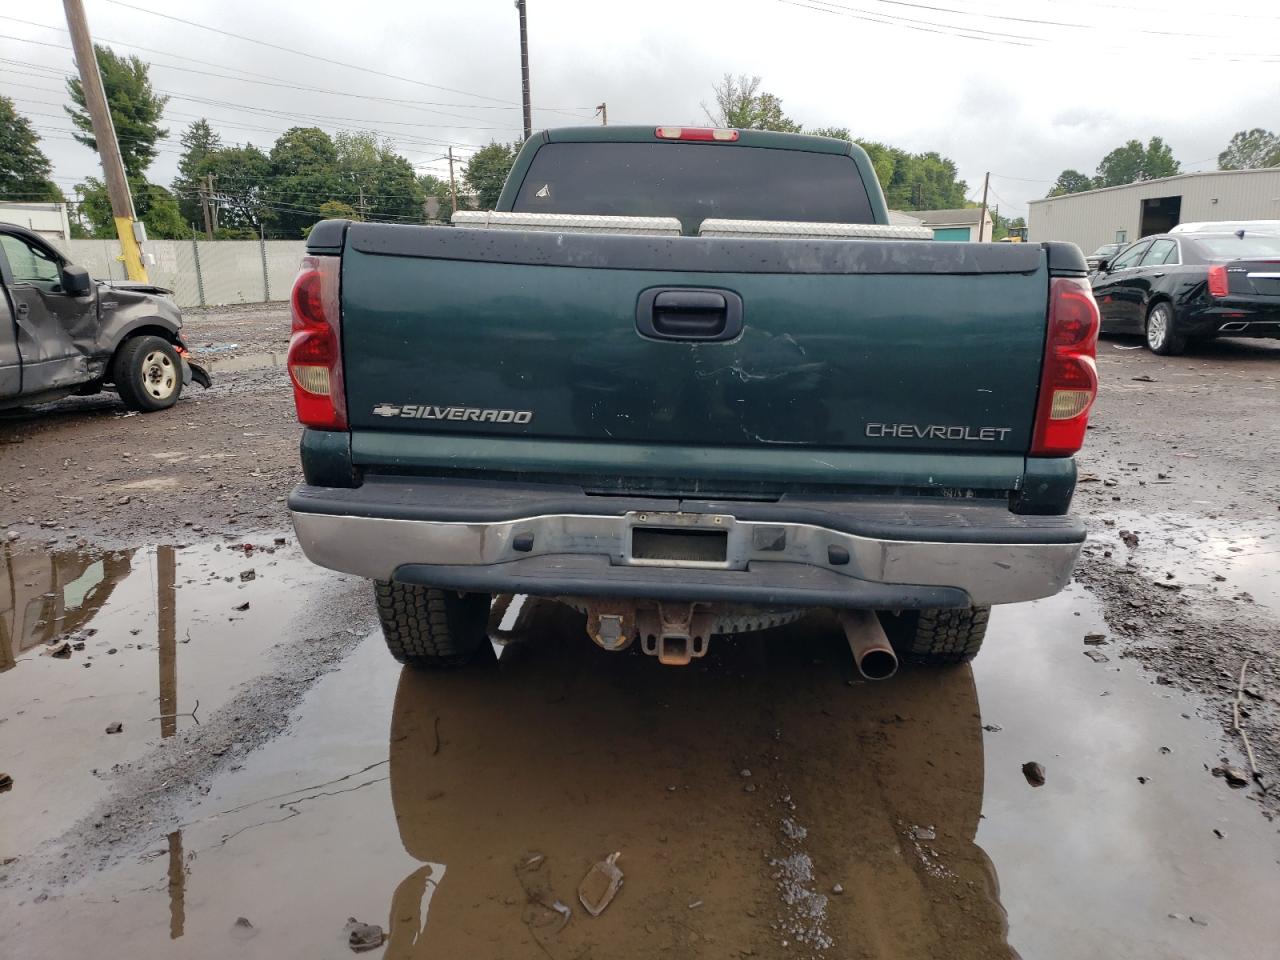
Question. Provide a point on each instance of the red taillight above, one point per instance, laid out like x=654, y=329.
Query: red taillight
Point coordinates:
x=696, y=133
x=315, y=348
x=1218, y=280
x=1069, y=379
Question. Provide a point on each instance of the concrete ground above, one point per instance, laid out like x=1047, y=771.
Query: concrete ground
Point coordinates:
x=277, y=773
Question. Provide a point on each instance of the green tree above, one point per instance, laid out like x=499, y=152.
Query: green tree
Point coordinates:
x=198, y=141
x=835, y=133
x=740, y=103
x=240, y=179
x=1071, y=181
x=1251, y=150
x=883, y=158
x=1133, y=162
x=487, y=170
x=397, y=194
x=378, y=180
x=155, y=206
x=338, y=210
x=135, y=109
x=24, y=169
x=923, y=181
x=432, y=186
x=303, y=174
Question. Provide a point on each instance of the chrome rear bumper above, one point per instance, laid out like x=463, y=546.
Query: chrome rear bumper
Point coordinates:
x=504, y=554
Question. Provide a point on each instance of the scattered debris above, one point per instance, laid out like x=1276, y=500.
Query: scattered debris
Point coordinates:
x=6, y=783
x=1233, y=775
x=837, y=889
x=544, y=914
x=1244, y=737
x=744, y=772
x=115, y=727
x=925, y=833
x=601, y=884
x=1220, y=834
x=1034, y=772
x=695, y=905
x=247, y=575
x=362, y=937
x=1145, y=378
x=1130, y=539
x=992, y=727
x=242, y=607
x=1144, y=779
x=1097, y=656
x=61, y=650
x=191, y=714
x=1095, y=639
x=242, y=929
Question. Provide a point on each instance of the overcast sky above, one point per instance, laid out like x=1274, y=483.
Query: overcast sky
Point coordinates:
x=1023, y=88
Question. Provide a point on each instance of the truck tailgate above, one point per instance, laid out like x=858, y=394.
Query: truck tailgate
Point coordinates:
x=844, y=345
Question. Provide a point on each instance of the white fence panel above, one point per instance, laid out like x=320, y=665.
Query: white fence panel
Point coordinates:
x=232, y=271
x=202, y=272
x=283, y=257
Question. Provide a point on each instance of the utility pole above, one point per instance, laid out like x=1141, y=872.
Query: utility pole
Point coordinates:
x=130, y=230
x=982, y=217
x=524, y=70
x=363, y=215
x=453, y=186
x=206, y=189
x=603, y=111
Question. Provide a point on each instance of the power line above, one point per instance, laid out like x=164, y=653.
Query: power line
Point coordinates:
x=303, y=53
x=1035, y=21
x=994, y=36
x=289, y=86
x=349, y=122
x=292, y=84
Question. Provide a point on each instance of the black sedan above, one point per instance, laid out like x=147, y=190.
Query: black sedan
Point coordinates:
x=1103, y=253
x=1182, y=287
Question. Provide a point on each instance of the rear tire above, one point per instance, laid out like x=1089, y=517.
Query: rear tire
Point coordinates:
x=148, y=373
x=1162, y=338
x=429, y=628
x=938, y=637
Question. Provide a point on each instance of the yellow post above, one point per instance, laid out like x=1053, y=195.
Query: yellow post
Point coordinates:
x=104, y=132
x=130, y=251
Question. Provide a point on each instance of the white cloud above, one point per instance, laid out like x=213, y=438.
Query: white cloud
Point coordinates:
x=1021, y=112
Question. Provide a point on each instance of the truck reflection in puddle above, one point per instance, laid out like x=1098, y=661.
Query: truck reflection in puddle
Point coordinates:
x=758, y=800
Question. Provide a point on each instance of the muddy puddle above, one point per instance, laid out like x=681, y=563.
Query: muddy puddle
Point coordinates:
x=764, y=802
x=155, y=639
x=242, y=362
x=1223, y=558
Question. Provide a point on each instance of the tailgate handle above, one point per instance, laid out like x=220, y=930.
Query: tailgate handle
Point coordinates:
x=685, y=313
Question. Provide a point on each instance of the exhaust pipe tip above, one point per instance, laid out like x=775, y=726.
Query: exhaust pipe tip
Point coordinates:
x=878, y=664
x=872, y=653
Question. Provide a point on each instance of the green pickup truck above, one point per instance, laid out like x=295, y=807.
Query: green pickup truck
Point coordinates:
x=692, y=383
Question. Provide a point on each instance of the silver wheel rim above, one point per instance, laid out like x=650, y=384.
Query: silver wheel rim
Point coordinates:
x=159, y=375
x=1157, y=328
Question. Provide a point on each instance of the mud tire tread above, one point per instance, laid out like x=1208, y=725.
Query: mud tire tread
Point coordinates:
x=945, y=637
x=431, y=629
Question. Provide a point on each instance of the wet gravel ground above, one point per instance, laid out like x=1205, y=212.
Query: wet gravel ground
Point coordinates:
x=1182, y=496
x=275, y=773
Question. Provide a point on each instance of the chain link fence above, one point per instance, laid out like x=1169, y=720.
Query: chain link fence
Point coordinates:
x=202, y=273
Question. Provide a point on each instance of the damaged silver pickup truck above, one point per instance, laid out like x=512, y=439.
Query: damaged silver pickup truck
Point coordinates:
x=63, y=333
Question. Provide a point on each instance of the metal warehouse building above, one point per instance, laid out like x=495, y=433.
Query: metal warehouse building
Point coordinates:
x=1119, y=214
